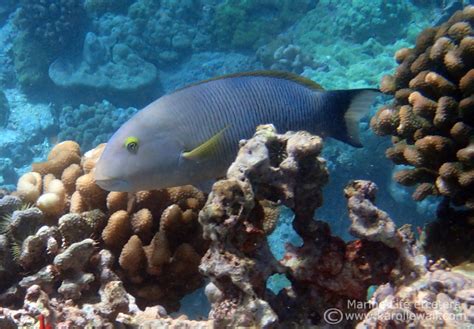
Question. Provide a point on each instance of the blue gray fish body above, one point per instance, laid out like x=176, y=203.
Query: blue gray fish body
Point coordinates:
x=230, y=108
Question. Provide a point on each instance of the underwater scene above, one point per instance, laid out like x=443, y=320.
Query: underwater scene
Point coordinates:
x=236, y=164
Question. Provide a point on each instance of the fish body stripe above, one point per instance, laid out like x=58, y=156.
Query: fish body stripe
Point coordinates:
x=242, y=103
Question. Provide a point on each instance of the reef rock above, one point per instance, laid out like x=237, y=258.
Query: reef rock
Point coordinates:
x=441, y=298
x=272, y=170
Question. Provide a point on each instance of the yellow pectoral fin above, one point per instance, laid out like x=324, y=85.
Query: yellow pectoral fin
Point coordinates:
x=207, y=148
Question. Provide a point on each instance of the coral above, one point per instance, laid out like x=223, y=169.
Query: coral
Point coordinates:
x=91, y=125
x=284, y=56
x=239, y=25
x=46, y=28
x=155, y=235
x=60, y=157
x=118, y=230
x=375, y=225
x=324, y=271
x=91, y=194
x=41, y=246
x=98, y=7
x=4, y=109
x=29, y=187
x=76, y=227
x=429, y=118
x=71, y=263
x=53, y=201
x=119, y=68
x=69, y=177
x=440, y=298
x=132, y=257
x=117, y=201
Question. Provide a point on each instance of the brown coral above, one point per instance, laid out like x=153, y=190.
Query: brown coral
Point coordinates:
x=142, y=224
x=150, y=254
x=117, y=201
x=90, y=192
x=132, y=258
x=118, y=230
x=434, y=132
x=61, y=156
x=69, y=177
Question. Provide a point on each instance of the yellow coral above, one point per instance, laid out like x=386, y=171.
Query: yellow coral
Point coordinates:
x=53, y=202
x=29, y=187
x=459, y=30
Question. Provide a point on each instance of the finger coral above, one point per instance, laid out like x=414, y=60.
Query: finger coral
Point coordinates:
x=431, y=116
x=61, y=156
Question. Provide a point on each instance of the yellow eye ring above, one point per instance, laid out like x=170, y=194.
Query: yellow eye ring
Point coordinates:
x=131, y=144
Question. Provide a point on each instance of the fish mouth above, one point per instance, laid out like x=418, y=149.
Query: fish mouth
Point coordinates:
x=112, y=184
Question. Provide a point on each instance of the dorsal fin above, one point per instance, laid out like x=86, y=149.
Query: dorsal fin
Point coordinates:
x=263, y=73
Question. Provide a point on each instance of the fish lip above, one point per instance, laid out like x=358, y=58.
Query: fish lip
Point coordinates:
x=111, y=183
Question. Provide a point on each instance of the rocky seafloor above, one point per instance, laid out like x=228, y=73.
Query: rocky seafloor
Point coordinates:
x=249, y=253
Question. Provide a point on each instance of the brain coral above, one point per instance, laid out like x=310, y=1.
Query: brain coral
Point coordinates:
x=432, y=115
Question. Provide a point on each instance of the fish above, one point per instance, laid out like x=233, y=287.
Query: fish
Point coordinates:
x=192, y=135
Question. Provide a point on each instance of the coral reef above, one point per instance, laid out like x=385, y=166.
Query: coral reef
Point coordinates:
x=239, y=25
x=118, y=253
x=92, y=125
x=325, y=272
x=105, y=65
x=282, y=55
x=430, y=119
x=443, y=297
x=45, y=29
x=99, y=7
x=154, y=235
x=4, y=109
x=73, y=255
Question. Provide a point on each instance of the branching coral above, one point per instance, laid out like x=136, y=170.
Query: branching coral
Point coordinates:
x=430, y=119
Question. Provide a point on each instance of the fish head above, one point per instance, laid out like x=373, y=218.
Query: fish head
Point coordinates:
x=139, y=157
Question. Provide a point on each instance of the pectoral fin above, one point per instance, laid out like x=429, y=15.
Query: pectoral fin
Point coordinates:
x=206, y=149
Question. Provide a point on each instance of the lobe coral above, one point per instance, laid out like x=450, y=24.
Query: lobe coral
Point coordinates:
x=432, y=116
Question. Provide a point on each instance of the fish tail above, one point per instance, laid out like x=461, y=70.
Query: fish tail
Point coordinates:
x=346, y=108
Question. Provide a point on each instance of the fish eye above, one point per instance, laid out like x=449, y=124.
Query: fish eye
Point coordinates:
x=131, y=144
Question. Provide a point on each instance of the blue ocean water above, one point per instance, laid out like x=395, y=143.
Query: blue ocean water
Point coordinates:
x=78, y=69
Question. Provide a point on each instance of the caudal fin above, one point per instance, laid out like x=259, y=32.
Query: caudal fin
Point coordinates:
x=346, y=108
